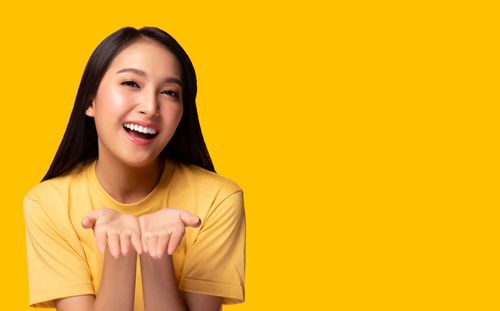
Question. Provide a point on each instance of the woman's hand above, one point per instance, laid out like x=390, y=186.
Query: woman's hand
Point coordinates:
x=114, y=229
x=165, y=227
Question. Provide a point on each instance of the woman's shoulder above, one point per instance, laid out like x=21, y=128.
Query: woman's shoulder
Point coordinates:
x=201, y=177
x=57, y=187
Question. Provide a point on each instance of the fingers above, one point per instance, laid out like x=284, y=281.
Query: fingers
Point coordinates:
x=136, y=242
x=158, y=237
x=149, y=242
x=101, y=240
x=163, y=240
x=124, y=243
x=118, y=243
x=114, y=231
x=114, y=244
x=144, y=241
x=156, y=244
x=152, y=240
x=174, y=241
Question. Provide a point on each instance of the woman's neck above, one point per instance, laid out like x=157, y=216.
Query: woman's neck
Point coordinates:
x=128, y=184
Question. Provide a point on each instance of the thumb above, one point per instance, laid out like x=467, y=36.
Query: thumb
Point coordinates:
x=89, y=220
x=196, y=221
x=190, y=220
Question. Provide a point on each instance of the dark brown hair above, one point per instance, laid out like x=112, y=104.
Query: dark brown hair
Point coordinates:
x=79, y=143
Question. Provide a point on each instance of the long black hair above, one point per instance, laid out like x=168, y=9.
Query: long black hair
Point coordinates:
x=79, y=144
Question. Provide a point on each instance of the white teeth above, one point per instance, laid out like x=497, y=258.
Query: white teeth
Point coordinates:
x=140, y=128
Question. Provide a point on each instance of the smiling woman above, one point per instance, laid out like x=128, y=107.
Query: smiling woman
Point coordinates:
x=132, y=176
x=149, y=95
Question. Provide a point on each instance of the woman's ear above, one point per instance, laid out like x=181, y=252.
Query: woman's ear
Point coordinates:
x=90, y=110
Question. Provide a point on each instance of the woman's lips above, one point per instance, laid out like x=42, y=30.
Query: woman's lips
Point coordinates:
x=147, y=124
x=138, y=141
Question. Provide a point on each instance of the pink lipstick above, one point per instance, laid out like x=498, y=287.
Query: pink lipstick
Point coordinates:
x=142, y=135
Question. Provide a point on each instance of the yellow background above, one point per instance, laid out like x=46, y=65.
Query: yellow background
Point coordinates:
x=364, y=135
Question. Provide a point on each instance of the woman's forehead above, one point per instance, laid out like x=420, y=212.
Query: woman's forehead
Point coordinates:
x=148, y=56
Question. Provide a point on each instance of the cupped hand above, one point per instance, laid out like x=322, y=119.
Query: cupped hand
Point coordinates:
x=163, y=228
x=114, y=229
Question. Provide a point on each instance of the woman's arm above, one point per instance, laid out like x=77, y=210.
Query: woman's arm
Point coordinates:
x=160, y=288
x=114, y=232
x=117, y=288
x=159, y=285
x=116, y=291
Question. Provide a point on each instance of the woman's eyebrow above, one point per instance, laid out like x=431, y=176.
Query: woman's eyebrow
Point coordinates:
x=144, y=74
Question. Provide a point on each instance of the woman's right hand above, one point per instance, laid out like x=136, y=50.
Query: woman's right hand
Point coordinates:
x=114, y=229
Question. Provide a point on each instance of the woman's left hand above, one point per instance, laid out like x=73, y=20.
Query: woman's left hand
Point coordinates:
x=165, y=227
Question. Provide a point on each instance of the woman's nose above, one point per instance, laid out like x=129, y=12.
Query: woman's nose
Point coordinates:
x=149, y=105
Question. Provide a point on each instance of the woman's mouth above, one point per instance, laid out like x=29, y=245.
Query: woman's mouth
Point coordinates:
x=139, y=134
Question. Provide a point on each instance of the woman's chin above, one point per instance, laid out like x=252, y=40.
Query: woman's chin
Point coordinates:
x=140, y=162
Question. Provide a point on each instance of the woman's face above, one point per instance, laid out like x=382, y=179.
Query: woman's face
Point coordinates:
x=140, y=87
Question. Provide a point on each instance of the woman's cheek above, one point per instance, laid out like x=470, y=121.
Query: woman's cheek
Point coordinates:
x=119, y=101
x=174, y=111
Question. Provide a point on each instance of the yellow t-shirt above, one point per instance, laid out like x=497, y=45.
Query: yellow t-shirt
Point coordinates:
x=63, y=259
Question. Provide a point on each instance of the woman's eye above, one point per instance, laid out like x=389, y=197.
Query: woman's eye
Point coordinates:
x=130, y=83
x=133, y=84
x=172, y=93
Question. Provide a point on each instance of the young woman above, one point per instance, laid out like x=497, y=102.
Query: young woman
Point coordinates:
x=131, y=214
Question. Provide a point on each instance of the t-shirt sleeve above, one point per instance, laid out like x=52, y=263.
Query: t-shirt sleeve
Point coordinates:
x=215, y=263
x=57, y=266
